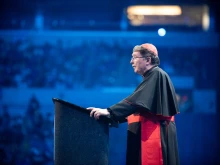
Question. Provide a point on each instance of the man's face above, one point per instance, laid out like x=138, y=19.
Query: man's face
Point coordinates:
x=139, y=63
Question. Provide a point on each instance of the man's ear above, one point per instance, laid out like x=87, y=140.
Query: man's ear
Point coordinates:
x=148, y=59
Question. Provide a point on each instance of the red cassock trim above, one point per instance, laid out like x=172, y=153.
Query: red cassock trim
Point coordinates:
x=151, y=149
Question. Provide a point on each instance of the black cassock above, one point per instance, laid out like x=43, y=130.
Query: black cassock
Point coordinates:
x=150, y=110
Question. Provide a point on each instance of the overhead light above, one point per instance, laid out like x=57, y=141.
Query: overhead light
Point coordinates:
x=161, y=32
x=154, y=10
x=205, y=18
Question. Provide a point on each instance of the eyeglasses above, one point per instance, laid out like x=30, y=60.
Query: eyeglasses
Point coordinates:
x=132, y=58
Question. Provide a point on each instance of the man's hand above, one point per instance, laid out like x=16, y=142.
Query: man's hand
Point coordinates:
x=96, y=112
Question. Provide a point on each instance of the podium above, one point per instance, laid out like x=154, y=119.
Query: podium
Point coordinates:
x=78, y=138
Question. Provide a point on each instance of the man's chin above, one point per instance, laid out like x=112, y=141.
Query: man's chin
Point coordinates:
x=135, y=71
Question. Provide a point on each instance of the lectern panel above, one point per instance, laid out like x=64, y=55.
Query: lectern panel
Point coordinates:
x=79, y=139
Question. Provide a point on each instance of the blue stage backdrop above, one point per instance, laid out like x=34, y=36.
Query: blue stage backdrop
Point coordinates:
x=80, y=51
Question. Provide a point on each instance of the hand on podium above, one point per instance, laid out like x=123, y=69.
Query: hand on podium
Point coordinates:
x=97, y=112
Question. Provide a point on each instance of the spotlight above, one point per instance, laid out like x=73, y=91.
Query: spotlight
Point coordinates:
x=161, y=32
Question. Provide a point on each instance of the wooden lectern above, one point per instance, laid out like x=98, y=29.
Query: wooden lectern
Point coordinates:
x=79, y=139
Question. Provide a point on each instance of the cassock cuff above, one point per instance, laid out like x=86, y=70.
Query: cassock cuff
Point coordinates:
x=113, y=122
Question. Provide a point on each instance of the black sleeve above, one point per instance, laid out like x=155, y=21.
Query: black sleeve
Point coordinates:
x=119, y=112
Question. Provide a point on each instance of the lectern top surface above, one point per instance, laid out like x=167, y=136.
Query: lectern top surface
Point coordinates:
x=70, y=104
x=84, y=110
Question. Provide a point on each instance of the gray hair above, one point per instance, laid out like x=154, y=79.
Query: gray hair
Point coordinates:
x=147, y=53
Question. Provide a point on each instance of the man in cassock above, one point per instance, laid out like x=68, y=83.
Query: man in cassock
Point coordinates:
x=149, y=111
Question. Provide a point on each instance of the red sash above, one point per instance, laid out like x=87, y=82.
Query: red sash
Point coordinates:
x=151, y=149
